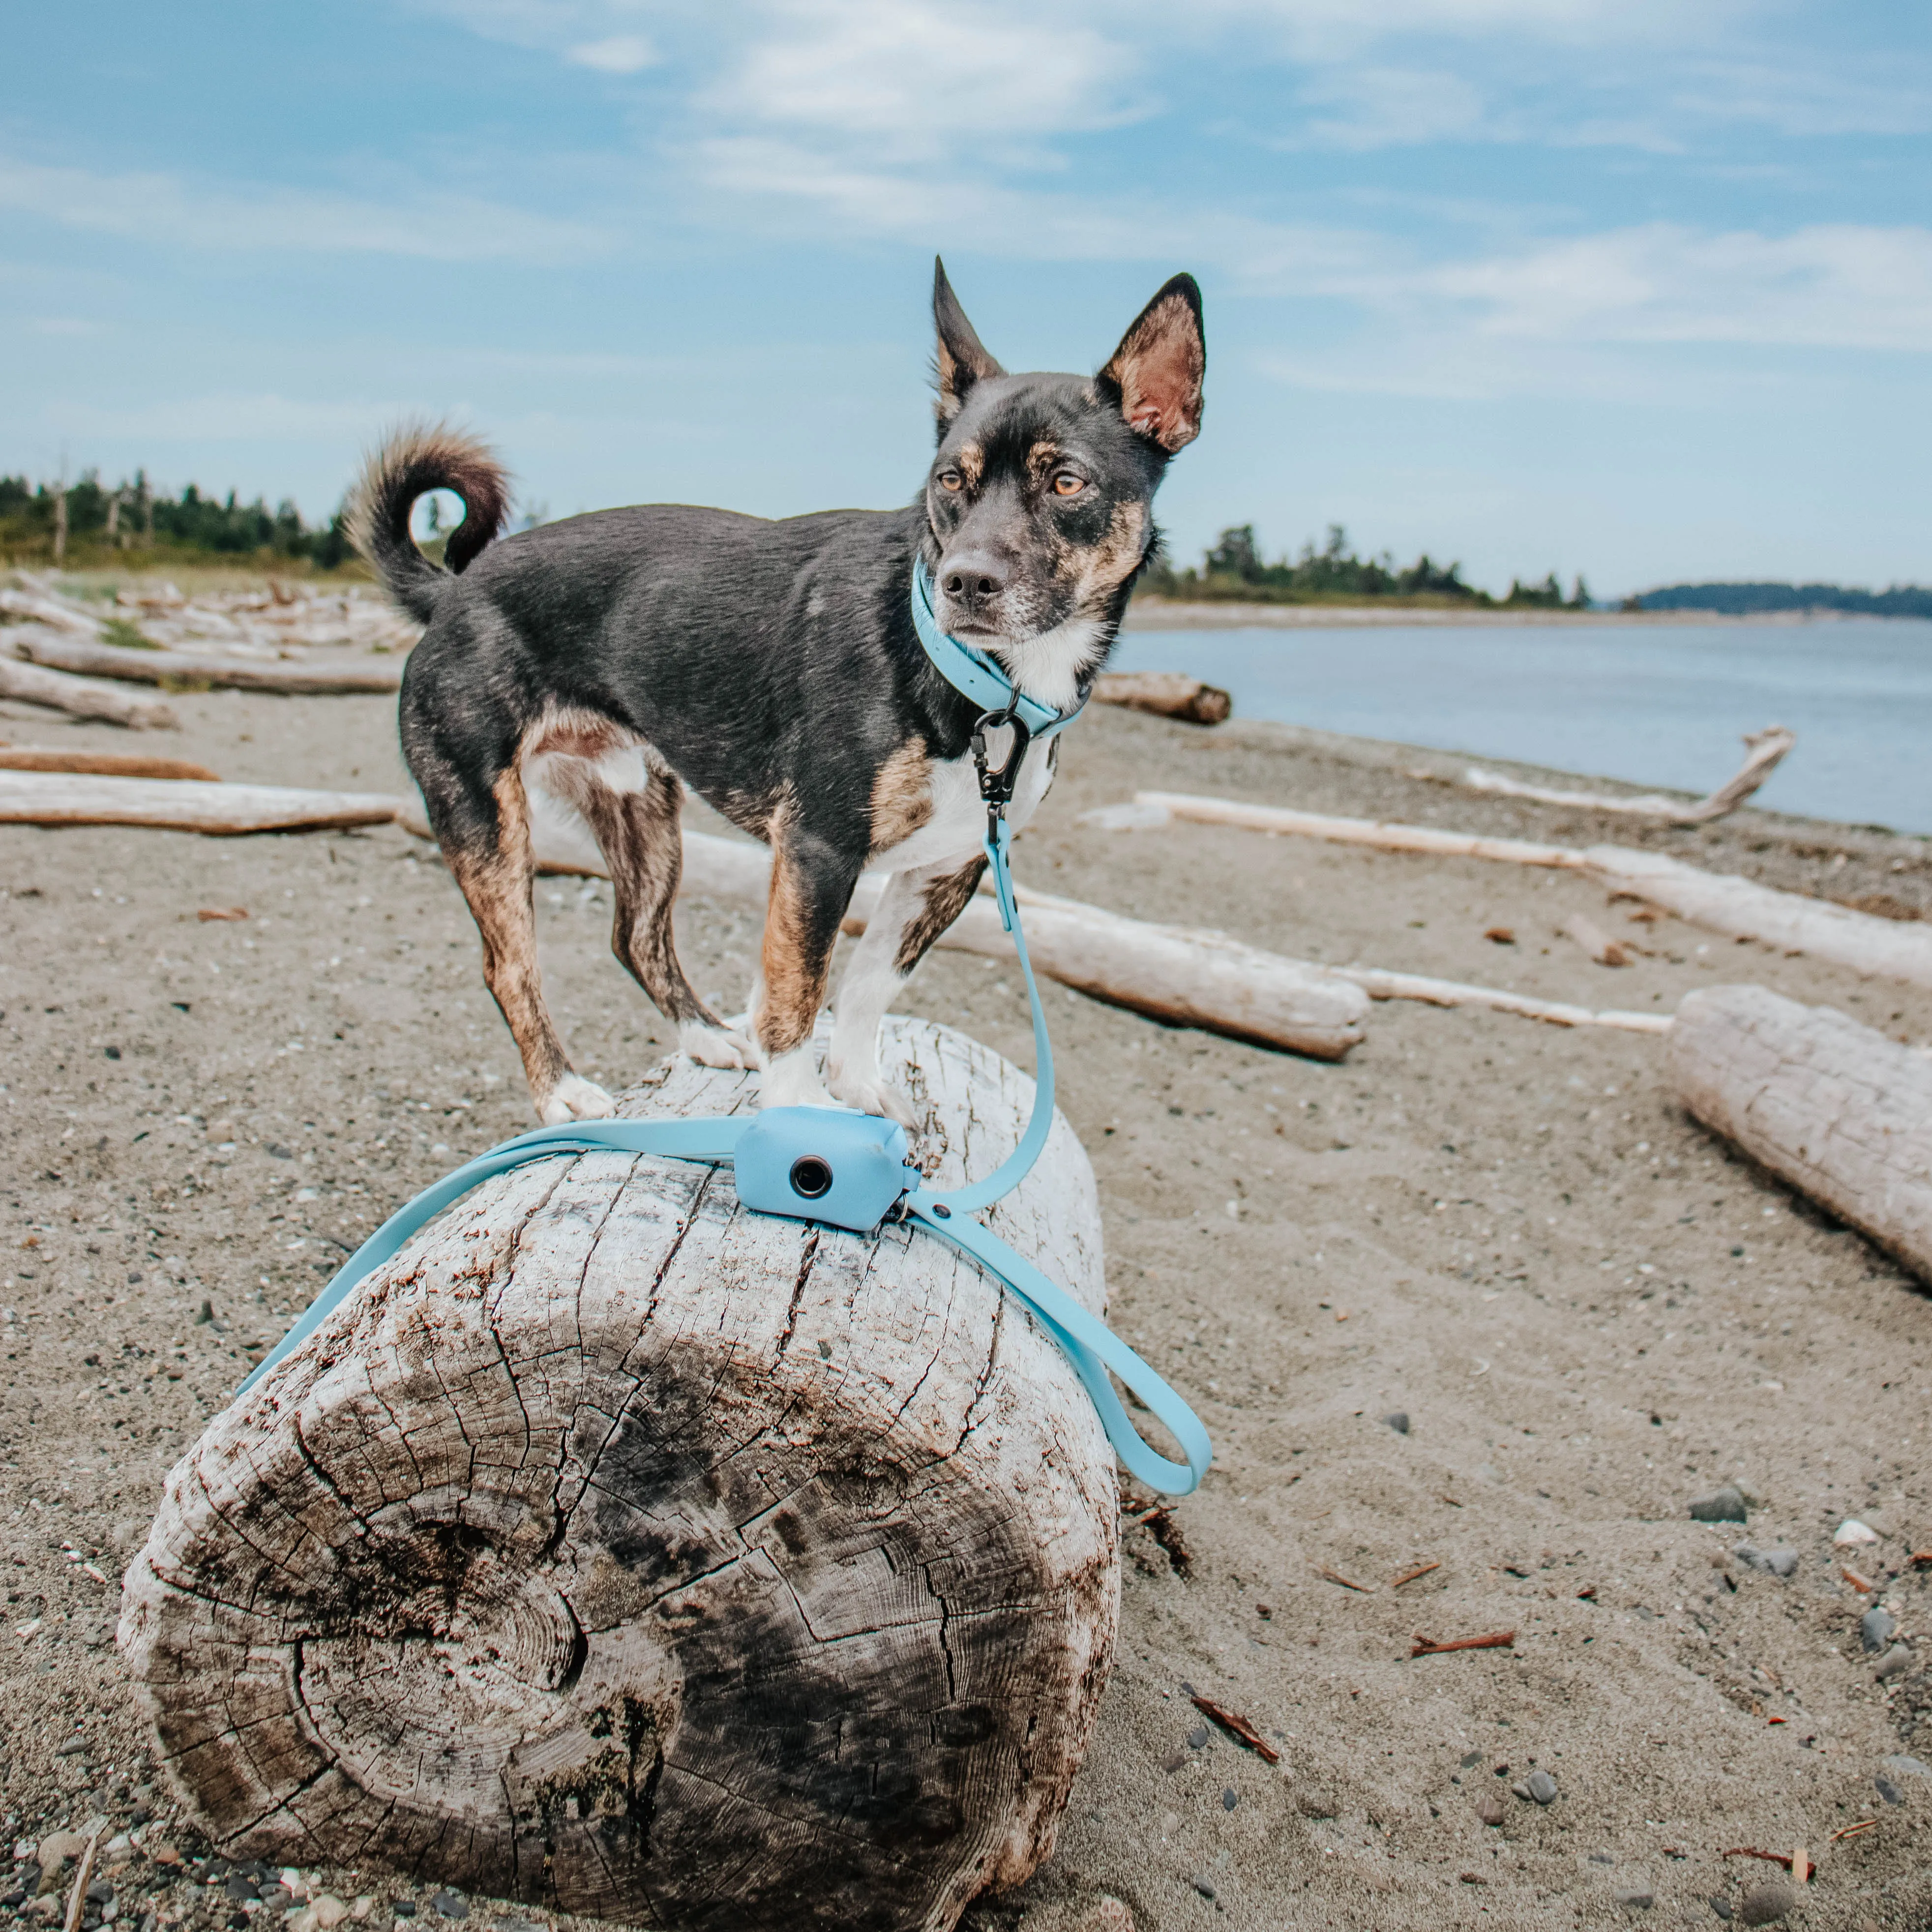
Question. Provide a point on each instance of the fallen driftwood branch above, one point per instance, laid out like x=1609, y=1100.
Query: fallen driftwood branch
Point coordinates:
x=28, y=607
x=1167, y=694
x=102, y=764
x=1238, y=1728
x=1382, y=986
x=83, y=697
x=182, y=670
x=1838, y=1111
x=1718, y=901
x=1766, y=748
x=797, y=1545
x=1173, y=973
x=177, y=805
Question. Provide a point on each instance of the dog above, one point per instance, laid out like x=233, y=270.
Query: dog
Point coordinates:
x=610, y=661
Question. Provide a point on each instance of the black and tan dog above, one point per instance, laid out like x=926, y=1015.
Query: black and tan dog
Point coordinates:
x=611, y=660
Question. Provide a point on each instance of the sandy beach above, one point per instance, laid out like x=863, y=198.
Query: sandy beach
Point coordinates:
x=1585, y=1311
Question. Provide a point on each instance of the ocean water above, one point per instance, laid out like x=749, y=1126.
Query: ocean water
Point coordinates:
x=1661, y=704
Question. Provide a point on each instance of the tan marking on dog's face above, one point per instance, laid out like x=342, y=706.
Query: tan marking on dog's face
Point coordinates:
x=970, y=459
x=901, y=795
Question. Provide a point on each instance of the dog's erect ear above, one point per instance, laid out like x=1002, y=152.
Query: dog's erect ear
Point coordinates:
x=960, y=359
x=1159, y=366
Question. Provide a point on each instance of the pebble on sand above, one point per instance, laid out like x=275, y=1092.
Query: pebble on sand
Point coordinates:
x=1398, y=1421
x=1889, y=1791
x=1638, y=1898
x=1779, y=1562
x=1851, y=1531
x=1766, y=1904
x=1875, y=1629
x=1541, y=1786
x=1724, y=1505
x=1897, y=1659
x=1488, y=1807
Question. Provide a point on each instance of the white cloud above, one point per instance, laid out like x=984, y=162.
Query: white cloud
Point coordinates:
x=169, y=211
x=621, y=53
x=1838, y=286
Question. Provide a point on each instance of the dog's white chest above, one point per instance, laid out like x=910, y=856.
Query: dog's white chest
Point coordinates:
x=957, y=828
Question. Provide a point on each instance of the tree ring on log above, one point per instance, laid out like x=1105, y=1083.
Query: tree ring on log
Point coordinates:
x=616, y=1550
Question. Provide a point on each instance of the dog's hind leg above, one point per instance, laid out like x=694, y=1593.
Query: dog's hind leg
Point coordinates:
x=495, y=866
x=644, y=846
x=914, y=909
x=812, y=887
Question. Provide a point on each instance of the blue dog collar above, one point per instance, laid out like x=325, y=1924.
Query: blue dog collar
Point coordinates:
x=973, y=674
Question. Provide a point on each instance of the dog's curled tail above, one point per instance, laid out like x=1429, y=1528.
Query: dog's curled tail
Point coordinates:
x=412, y=461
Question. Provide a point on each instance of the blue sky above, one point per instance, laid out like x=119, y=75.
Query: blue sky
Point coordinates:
x=1642, y=290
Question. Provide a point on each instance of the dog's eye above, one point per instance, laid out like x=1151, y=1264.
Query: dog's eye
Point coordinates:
x=1067, y=483
x=950, y=479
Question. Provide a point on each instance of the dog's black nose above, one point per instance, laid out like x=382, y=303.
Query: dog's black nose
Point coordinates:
x=973, y=579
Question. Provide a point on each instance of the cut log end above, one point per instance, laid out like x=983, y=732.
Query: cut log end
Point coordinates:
x=1167, y=693
x=618, y=1551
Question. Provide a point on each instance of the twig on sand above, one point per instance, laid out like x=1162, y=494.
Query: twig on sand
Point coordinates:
x=76, y=1899
x=1238, y=1728
x=1852, y=1830
x=1496, y=1640
x=1790, y=1860
x=1410, y=1576
x=1321, y=1570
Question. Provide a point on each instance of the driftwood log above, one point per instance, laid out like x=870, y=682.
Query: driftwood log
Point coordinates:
x=1838, y=1111
x=1167, y=694
x=180, y=805
x=1179, y=974
x=617, y=1551
x=182, y=669
x=1718, y=901
x=102, y=764
x=84, y=698
x=1766, y=750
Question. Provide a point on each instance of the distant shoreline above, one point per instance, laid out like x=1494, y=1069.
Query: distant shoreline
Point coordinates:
x=1161, y=614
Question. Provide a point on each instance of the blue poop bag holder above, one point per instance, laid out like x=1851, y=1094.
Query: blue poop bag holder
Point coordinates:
x=853, y=1170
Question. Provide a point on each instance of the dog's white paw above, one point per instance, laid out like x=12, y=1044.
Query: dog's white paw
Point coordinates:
x=874, y=1096
x=574, y=1098
x=717, y=1046
x=792, y=1081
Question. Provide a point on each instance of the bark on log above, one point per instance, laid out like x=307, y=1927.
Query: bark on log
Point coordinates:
x=1167, y=694
x=316, y=677
x=1842, y=1113
x=180, y=805
x=1718, y=901
x=620, y=1552
x=102, y=764
x=84, y=698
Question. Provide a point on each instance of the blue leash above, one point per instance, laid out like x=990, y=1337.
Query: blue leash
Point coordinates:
x=851, y=1170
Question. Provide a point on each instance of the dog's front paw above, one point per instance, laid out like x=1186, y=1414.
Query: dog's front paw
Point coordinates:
x=574, y=1098
x=792, y=1081
x=717, y=1046
x=874, y=1096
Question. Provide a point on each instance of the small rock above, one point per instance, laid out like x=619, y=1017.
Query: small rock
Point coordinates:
x=1851, y=1530
x=1724, y=1505
x=405, y=1908
x=1174, y=1760
x=1488, y=1807
x=1202, y=1885
x=1889, y=1791
x=450, y=1904
x=1897, y=1659
x=1229, y=1799
x=57, y=1846
x=1766, y=1904
x=240, y=1885
x=1398, y=1421
x=330, y=1911
x=1520, y=1790
x=1312, y=1801
x=1541, y=1786
x=1197, y=1738
x=1781, y=1562
x=1875, y=1629
x=1902, y=1766
x=1721, y=1905
x=1638, y=1898
x=47, y=1906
